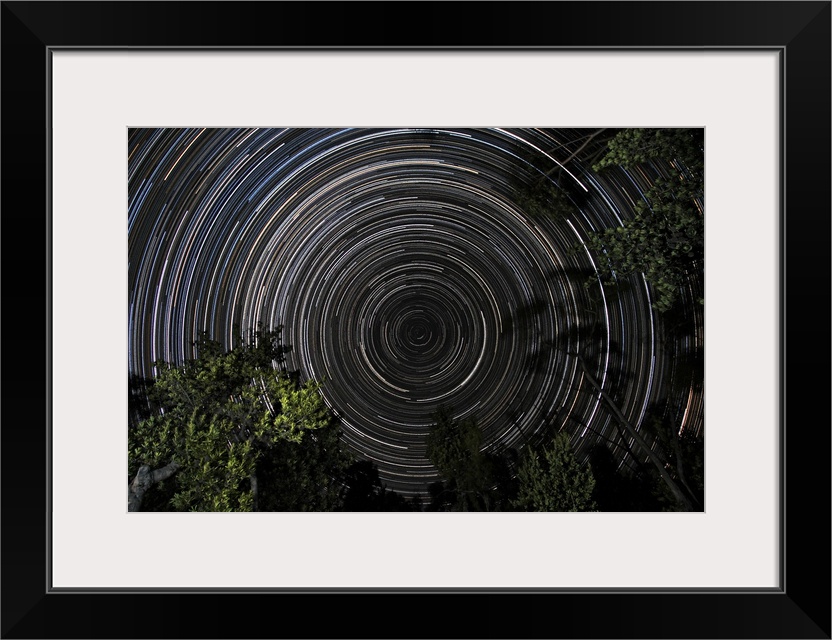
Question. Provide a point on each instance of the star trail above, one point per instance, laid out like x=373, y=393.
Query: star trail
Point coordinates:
x=407, y=275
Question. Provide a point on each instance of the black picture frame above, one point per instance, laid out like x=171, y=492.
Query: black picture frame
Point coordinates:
x=800, y=31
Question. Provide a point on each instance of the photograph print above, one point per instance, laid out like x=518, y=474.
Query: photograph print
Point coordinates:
x=416, y=319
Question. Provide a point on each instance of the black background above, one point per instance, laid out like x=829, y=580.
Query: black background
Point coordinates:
x=801, y=609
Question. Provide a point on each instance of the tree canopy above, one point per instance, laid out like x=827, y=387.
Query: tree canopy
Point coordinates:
x=552, y=479
x=545, y=478
x=366, y=491
x=474, y=480
x=229, y=431
x=665, y=238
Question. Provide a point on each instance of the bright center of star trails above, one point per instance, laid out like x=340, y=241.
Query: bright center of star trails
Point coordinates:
x=404, y=272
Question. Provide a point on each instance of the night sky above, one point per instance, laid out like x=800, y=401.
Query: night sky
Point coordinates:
x=407, y=274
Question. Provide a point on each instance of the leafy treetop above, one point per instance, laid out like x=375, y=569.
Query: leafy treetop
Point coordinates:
x=218, y=416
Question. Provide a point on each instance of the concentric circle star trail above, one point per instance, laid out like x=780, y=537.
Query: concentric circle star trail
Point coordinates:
x=405, y=274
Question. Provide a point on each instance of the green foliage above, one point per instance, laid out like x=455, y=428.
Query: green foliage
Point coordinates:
x=453, y=446
x=473, y=478
x=551, y=479
x=220, y=416
x=544, y=199
x=630, y=147
x=664, y=239
x=685, y=455
x=305, y=475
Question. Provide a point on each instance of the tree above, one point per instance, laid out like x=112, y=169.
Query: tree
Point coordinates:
x=686, y=499
x=664, y=239
x=544, y=198
x=551, y=479
x=621, y=489
x=218, y=418
x=633, y=146
x=684, y=453
x=472, y=476
x=366, y=491
x=305, y=475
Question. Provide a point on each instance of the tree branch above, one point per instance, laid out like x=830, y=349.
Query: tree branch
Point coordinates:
x=254, y=490
x=680, y=467
x=146, y=478
x=652, y=455
x=575, y=153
